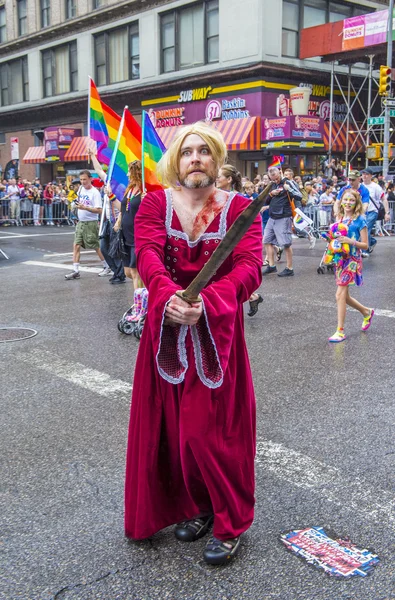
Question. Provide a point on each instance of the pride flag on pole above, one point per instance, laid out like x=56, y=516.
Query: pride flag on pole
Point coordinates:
x=103, y=124
x=127, y=149
x=277, y=161
x=152, y=147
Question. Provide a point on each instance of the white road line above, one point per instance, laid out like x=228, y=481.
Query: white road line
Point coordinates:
x=380, y=312
x=12, y=233
x=330, y=483
x=27, y=235
x=38, y=263
x=68, y=253
x=77, y=373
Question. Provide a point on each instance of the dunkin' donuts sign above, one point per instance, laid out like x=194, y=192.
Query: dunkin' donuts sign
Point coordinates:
x=170, y=117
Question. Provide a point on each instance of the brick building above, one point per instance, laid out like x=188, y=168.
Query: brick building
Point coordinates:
x=142, y=53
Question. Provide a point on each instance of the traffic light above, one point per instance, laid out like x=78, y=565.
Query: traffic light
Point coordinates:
x=385, y=81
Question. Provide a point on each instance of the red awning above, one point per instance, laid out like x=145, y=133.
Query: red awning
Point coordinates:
x=239, y=134
x=34, y=155
x=78, y=150
x=339, y=145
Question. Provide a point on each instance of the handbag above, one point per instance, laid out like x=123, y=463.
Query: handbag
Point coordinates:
x=380, y=209
x=117, y=247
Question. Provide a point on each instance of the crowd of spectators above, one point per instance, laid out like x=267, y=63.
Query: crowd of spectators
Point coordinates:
x=24, y=202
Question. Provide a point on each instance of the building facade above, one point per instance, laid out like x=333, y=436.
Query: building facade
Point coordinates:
x=223, y=60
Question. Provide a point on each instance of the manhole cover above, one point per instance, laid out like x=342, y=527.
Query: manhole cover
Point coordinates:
x=15, y=334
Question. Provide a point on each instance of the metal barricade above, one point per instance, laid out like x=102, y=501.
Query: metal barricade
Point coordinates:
x=35, y=212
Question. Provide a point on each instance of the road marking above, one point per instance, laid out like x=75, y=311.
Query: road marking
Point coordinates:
x=380, y=312
x=68, y=253
x=77, y=374
x=27, y=235
x=330, y=483
x=38, y=263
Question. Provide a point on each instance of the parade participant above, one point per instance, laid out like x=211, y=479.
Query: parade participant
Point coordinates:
x=191, y=443
x=89, y=205
x=376, y=196
x=126, y=219
x=354, y=183
x=229, y=179
x=279, y=226
x=111, y=215
x=349, y=270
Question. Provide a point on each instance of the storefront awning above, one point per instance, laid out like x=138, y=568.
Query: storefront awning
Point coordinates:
x=339, y=145
x=78, y=150
x=34, y=155
x=239, y=134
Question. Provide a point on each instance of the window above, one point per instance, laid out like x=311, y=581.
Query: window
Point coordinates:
x=290, y=32
x=14, y=86
x=45, y=13
x=97, y=4
x=60, y=70
x=22, y=17
x=190, y=36
x=301, y=14
x=2, y=137
x=71, y=9
x=3, y=31
x=117, y=55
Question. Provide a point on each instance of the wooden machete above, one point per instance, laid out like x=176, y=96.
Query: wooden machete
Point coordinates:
x=221, y=253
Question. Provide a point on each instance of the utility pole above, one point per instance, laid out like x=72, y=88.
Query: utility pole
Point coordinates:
x=387, y=108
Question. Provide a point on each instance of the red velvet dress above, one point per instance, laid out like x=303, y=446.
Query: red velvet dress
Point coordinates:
x=191, y=442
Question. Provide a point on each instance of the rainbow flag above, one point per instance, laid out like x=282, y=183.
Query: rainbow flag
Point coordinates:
x=152, y=146
x=103, y=124
x=127, y=149
x=277, y=161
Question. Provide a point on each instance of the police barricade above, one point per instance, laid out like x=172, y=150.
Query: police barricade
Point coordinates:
x=36, y=212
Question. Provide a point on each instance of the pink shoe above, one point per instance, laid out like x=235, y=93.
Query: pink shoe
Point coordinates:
x=366, y=323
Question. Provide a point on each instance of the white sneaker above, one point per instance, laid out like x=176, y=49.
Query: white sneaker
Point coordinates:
x=106, y=271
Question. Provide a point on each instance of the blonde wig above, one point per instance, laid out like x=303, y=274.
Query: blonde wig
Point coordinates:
x=169, y=165
x=358, y=209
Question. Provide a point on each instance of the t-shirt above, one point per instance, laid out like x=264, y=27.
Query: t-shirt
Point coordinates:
x=363, y=190
x=14, y=192
x=355, y=227
x=376, y=193
x=91, y=198
x=326, y=202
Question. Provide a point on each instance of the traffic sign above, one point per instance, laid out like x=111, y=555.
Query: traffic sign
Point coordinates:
x=389, y=102
x=376, y=120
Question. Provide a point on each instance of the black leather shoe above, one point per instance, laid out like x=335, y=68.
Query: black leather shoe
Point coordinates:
x=190, y=531
x=218, y=552
x=254, y=306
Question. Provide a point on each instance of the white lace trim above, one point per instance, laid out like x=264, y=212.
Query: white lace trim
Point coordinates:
x=220, y=234
x=181, y=352
x=198, y=355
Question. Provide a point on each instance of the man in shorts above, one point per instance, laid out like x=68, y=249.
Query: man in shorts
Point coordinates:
x=278, y=230
x=89, y=204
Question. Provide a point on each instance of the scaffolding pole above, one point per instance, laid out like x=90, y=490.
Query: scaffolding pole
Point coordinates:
x=371, y=56
x=387, y=108
x=331, y=111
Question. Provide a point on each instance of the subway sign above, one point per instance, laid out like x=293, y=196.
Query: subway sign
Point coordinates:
x=194, y=95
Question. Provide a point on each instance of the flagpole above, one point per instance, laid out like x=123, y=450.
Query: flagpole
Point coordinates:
x=88, y=125
x=112, y=163
x=142, y=152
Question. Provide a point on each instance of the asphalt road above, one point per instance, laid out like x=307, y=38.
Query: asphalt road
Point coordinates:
x=325, y=454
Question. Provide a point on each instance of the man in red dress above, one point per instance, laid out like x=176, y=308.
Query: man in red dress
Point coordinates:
x=191, y=444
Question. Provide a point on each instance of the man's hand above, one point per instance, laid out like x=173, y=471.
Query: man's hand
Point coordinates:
x=275, y=192
x=179, y=312
x=387, y=217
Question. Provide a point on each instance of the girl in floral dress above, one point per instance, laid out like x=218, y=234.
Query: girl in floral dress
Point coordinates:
x=349, y=269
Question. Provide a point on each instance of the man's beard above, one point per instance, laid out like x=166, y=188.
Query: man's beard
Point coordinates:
x=192, y=183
